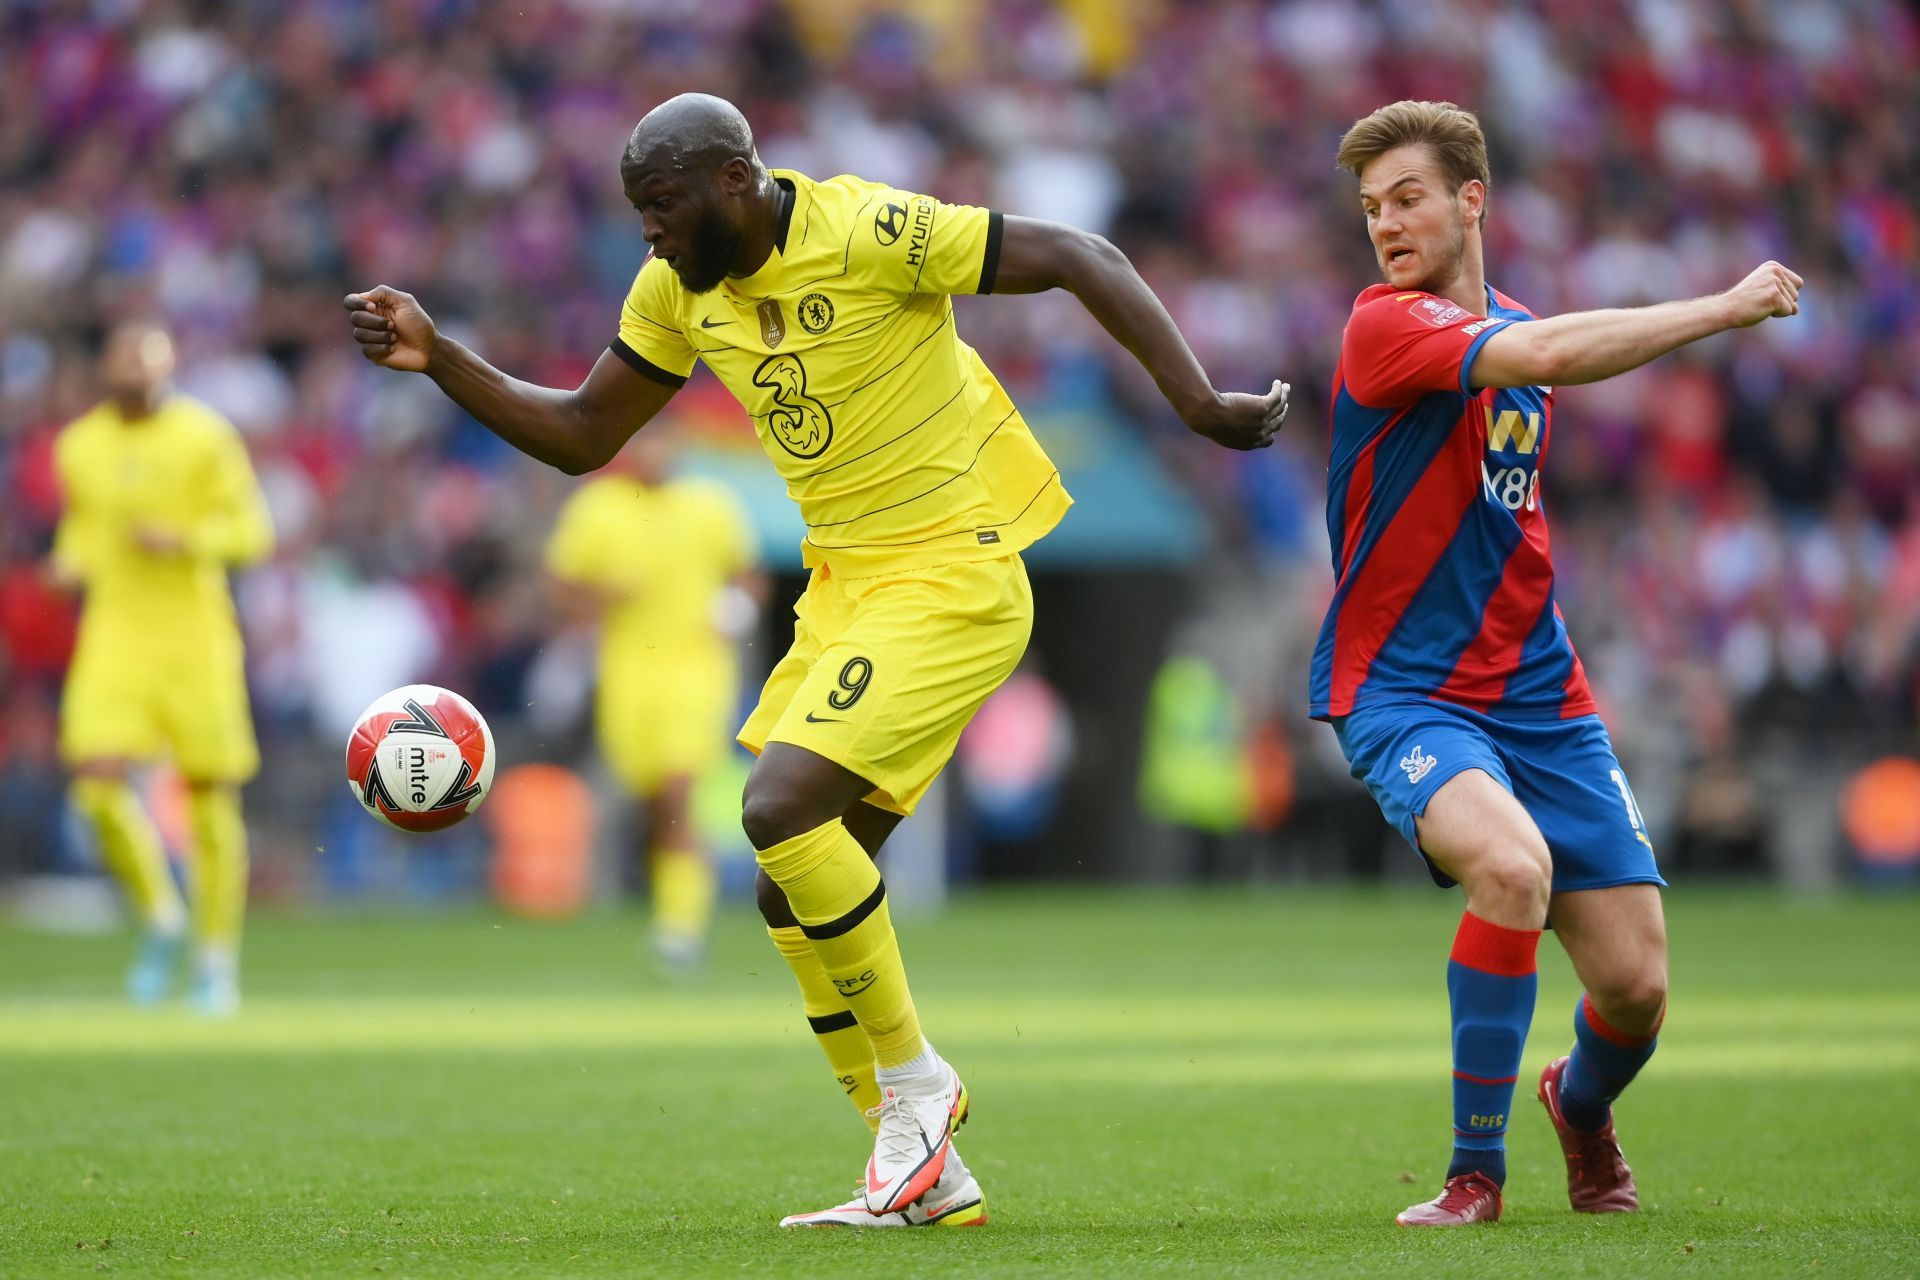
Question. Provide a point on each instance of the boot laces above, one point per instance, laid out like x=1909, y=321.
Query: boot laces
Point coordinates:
x=900, y=1139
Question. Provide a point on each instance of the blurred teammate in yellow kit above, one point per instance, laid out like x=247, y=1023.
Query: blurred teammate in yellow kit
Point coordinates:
x=160, y=502
x=655, y=558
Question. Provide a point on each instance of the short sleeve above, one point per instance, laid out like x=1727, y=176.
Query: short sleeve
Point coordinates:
x=235, y=526
x=73, y=537
x=66, y=462
x=1402, y=346
x=905, y=243
x=651, y=339
x=728, y=528
x=577, y=550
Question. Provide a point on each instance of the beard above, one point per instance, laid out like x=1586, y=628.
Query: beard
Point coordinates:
x=716, y=243
x=1444, y=268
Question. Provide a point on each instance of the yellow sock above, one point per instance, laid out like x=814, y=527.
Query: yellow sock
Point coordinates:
x=131, y=848
x=836, y=895
x=849, y=1052
x=219, y=865
x=684, y=886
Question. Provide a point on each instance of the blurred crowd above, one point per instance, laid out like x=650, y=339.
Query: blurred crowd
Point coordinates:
x=1737, y=527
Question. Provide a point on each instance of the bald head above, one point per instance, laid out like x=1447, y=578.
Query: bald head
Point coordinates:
x=707, y=203
x=695, y=131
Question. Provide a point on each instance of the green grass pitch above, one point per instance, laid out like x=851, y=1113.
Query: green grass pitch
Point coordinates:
x=1165, y=1083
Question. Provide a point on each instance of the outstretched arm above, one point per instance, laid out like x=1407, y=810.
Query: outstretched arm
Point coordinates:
x=577, y=431
x=1587, y=346
x=1036, y=256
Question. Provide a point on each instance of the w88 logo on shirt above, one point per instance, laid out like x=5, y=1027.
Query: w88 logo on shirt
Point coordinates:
x=1512, y=487
x=1511, y=434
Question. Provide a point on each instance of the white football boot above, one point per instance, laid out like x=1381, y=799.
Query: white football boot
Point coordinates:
x=954, y=1201
x=910, y=1149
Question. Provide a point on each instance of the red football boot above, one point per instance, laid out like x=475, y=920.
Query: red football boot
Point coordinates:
x=1598, y=1180
x=1471, y=1197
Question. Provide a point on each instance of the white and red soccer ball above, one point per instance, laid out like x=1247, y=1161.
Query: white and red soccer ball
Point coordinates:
x=420, y=758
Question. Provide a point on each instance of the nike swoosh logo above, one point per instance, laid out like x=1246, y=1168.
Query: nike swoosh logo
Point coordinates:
x=873, y=1186
x=814, y=719
x=705, y=323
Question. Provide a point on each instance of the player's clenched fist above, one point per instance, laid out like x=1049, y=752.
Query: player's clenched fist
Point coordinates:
x=1241, y=421
x=1771, y=290
x=392, y=328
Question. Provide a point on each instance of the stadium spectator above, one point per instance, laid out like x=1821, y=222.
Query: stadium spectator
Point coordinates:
x=1740, y=530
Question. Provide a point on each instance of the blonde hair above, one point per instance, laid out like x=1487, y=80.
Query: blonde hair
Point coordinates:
x=1451, y=134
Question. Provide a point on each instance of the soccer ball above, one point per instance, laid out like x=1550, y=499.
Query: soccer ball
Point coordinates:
x=420, y=758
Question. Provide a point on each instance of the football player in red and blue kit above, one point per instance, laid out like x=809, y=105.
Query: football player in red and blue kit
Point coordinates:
x=1444, y=663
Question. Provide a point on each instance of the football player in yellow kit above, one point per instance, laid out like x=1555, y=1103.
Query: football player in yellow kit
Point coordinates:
x=160, y=502
x=652, y=559
x=825, y=307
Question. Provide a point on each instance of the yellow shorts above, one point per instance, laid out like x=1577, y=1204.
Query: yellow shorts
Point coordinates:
x=670, y=722
x=886, y=671
x=122, y=704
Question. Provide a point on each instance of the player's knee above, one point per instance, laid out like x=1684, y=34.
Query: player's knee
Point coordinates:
x=1634, y=1002
x=772, y=901
x=1519, y=875
x=763, y=818
x=771, y=811
x=1524, y=869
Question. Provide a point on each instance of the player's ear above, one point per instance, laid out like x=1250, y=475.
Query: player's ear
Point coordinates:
x=734, y=177
x=1473, y=202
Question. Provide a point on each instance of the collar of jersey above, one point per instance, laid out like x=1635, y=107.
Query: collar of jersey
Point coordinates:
x=758, y=284
x=1498, y=310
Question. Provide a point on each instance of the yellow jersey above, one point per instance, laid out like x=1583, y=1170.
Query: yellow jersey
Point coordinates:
x=664, y=554
x=183, y=470
x=893, y=436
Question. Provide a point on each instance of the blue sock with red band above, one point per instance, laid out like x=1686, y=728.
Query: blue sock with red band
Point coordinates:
x=1605, y=1060
x=1491, y=983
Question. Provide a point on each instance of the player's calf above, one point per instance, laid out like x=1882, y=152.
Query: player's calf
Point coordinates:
x=1605, y=1059
x=1492, y=979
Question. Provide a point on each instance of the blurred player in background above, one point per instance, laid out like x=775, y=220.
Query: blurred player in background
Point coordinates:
x=160, y=502
x=667, y=568
x=1444, y=665
x=825, y=308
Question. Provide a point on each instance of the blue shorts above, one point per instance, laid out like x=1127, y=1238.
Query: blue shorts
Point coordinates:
x=1563, y=772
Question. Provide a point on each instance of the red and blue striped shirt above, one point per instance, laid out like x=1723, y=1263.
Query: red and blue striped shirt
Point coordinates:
x=1443, y=573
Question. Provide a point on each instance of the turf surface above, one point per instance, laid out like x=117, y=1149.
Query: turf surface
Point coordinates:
x=1218, y=1084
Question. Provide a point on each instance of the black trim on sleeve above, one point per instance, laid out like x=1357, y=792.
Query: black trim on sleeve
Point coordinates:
x=990, y=264
x=645, y=367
